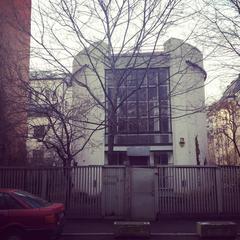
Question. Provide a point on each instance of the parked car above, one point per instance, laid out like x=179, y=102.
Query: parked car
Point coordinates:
x=25, y=216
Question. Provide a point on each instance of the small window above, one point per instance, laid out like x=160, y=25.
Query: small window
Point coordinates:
x=38, y=155
x=161, y=158
x=39, y=131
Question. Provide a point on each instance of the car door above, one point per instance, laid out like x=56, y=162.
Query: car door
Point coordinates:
x=3, y=211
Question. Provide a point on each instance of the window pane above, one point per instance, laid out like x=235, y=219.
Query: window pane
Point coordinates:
x=142, y=109
x=152, y=76
x=152, y=93
x=164, y=103
x=123, y=110
x=161, y=158
x=154, y=124
x=37, y=155
x=132, y=109
x=165, y=111
x=164, y=124
x=141, y=77
x=109, y=77
x=163, y=92
x=132, y=125
x=143, y=125
x=163, y=76
x=122, y=94
x=132, y=96
x=122, y=125
x=142, y=94
x=110, y=93
x=38, y=131
x=132, y=78
x=153, y=109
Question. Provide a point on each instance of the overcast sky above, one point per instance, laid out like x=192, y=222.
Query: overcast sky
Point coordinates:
x=218, y=78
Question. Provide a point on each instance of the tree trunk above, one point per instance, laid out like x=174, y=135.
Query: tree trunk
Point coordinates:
x=111, y=138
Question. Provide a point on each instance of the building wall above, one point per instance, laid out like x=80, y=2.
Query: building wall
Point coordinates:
x=93, y=153
x=223, y=121
x=15, y=19
x=44, y=92
x=187, y=95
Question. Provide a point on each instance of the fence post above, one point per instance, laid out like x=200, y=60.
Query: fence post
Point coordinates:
x=156, y=191
x=127, y=190
x=44, y=184
x=219, y=190
x=103, y=203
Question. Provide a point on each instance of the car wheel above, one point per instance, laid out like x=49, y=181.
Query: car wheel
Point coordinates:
x=15, y=235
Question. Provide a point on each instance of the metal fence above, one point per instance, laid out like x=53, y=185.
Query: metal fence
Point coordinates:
x=105, y=191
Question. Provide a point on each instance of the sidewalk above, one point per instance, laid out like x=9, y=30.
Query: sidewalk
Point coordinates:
x=106, y=226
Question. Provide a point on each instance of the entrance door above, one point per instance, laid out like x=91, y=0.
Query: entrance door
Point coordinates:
x=138, y=160
x=143, y=194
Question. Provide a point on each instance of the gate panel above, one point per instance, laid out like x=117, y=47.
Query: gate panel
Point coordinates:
x=230, y=179
x=143, y=194
x=187, y=190
x=113, y=191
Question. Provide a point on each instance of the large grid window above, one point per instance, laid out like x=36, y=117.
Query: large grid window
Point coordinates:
x=143, y=99
x=143, y=105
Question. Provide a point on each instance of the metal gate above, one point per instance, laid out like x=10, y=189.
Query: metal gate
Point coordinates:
x=143, y=192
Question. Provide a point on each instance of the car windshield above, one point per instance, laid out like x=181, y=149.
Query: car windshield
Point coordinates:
x=31, y=200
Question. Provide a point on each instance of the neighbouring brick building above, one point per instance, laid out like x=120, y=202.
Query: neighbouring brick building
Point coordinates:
x=15, y=22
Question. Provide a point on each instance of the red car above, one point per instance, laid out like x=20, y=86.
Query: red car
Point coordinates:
x=25, y=216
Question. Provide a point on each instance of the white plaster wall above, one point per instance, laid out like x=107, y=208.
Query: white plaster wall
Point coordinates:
x=93, y=153
x=187, y=95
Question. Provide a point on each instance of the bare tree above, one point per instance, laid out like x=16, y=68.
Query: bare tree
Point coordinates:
x=219, y=31
x=54, y=121
x=114, y=35
x=225, y=131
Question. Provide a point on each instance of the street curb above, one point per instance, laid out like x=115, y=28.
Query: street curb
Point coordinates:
x=112, y=234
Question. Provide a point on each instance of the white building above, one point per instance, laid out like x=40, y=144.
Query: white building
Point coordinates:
x=158, y=99
x=48, y=93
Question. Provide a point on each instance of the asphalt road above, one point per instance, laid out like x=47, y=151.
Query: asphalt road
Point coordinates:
x=151, y=238
x=112, y=238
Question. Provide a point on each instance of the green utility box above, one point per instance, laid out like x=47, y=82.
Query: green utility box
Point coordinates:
x=131, y=229
x=217, y=230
